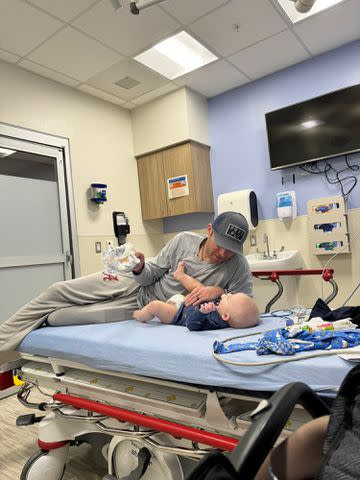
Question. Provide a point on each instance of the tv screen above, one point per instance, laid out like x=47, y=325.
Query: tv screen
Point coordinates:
x=317, y=129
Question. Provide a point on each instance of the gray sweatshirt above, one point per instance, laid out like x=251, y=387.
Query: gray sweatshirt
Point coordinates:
x=157, y=278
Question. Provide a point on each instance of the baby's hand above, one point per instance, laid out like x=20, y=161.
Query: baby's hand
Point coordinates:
x=207, y=307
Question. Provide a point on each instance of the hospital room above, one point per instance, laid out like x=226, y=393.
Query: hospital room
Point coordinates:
x=180, y=238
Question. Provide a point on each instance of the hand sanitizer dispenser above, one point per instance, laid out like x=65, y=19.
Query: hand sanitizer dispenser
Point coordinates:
x=286, y=205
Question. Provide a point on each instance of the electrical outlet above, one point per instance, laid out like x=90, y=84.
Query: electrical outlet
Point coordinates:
x=97, y=247
x=253, y=241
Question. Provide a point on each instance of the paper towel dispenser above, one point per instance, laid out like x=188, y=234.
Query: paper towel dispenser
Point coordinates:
x=242, y=201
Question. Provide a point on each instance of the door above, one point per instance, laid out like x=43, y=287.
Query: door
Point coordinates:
x=34, y=225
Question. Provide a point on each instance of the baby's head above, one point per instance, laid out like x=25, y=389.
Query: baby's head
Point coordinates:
x=239, y=310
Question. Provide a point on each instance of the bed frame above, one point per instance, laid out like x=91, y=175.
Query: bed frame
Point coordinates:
x=144, y=427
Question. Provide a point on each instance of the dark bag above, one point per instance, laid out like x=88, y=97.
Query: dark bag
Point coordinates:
x=320, y=309
x=342, y=443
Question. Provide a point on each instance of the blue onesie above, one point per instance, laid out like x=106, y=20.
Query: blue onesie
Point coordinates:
x=192, y=318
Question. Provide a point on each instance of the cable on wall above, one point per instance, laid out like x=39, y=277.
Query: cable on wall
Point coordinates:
x=334, y=176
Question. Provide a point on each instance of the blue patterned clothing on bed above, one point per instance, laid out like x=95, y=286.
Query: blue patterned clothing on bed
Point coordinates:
x=283, y=342
x=192, y=318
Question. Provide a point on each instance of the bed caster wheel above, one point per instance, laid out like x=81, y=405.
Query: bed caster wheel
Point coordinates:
x=43, y=464
x=134, y=460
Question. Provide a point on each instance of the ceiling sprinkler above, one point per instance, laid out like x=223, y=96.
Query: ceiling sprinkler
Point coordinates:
x=303, y=6
x=135, y=7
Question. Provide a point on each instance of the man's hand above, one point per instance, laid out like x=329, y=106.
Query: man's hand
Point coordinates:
x=140, y=265
x=202, y=294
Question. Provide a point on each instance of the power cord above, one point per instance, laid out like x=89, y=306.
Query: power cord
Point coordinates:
x=330, y=260
x=328, y=169
x=319, y=353
x=351, y=294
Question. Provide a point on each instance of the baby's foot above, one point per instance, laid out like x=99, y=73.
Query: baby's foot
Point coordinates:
x=179, y=272
x=142, y=315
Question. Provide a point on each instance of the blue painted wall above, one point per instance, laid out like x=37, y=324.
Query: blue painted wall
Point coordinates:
x=239, y=151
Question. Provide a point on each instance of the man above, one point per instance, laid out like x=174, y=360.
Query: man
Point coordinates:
x=215, y=260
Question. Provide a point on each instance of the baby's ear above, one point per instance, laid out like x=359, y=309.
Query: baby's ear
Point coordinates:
x=225, y=317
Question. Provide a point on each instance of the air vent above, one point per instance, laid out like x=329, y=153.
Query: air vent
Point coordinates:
x=127, y=82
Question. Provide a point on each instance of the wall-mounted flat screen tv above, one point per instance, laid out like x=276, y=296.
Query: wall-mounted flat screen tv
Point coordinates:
x=319, y=128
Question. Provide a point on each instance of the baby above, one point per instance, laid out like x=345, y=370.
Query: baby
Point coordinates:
x=231, y=310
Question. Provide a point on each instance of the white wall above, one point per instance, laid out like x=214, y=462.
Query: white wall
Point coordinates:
x=198, y=117
x=101, y=148
x=173, y=118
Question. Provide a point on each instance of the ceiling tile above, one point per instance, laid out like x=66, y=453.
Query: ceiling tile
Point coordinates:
x=127, y=33
x=127, y=68
x=8, y=57
x=270, y=55
x=46, y=72
x=158, y=92
x=65, y=9
x=23, y=27
x=100, y=94
x=254, y=20
x=74, y=54
x=332, y=28
x=223, y=77
x=188, y=11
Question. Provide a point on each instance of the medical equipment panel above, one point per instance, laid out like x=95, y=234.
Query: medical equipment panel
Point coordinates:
x=328, y=226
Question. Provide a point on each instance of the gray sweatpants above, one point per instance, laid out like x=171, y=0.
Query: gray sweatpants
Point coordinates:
x=87, y=299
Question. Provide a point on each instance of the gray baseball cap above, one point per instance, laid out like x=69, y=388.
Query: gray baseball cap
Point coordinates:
x=230, y=231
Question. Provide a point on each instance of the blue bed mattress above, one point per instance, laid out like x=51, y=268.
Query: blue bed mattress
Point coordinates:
x=174, y=353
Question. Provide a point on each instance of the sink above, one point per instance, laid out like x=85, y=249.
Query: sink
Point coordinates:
x=286, y=260
x=265, y=291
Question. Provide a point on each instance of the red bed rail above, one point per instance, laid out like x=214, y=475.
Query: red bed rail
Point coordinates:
x=175, y=429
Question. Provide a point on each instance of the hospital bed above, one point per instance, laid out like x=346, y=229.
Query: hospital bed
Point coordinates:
x=150, y=398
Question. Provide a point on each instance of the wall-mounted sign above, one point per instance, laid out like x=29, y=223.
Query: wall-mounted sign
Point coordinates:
x=178, y=186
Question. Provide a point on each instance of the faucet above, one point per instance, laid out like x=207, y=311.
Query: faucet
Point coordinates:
x=266, y=241
x=266, y=255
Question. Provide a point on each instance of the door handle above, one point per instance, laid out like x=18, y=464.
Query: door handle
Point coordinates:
x=68, y=257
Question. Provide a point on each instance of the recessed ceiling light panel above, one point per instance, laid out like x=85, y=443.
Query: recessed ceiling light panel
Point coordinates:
x=176, y=56
x=5, y=152
x=295, y=16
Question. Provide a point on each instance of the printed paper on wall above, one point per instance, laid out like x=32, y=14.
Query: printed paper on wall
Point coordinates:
x=178, y=186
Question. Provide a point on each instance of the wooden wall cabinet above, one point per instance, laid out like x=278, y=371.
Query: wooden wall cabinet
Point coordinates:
x=154, y=169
